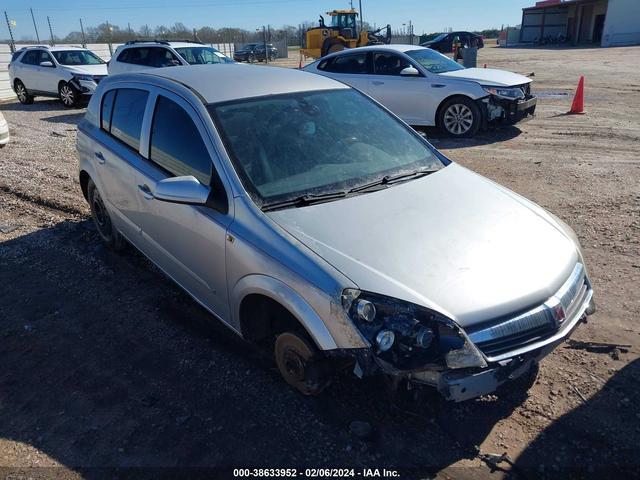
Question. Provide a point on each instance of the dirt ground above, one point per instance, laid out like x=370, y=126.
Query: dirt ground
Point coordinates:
x=105, y=364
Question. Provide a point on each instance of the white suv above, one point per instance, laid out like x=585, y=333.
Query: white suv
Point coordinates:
x=69, y=73
x=137, y=55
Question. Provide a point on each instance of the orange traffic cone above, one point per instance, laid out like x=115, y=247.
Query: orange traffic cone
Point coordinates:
x=578, y=100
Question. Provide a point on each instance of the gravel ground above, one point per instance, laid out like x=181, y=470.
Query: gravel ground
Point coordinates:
x=105, y=363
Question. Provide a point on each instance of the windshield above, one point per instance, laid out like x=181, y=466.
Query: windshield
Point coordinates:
x=433, y=61
x=77, y=57
x=438, y=38
x=310, y=143
x=344, y=20
x=202, y=55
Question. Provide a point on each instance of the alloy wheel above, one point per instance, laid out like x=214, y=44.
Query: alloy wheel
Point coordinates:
x=21, y=92
x=458, y=119
x=67, y=95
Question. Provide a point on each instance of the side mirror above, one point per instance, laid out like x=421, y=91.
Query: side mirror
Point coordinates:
x=187, y=190
x=46, y=64
x=409, y=72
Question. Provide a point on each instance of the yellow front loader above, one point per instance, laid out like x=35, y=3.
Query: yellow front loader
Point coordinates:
x=342, y=33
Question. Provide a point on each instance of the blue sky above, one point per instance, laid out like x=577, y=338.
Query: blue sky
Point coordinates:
x=426, y=15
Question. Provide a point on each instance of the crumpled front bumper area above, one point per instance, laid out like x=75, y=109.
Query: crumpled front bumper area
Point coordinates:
x=502, y=110
x=465, y=384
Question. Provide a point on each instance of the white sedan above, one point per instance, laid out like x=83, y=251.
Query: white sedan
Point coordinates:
x=425, y=88
x=4, y=131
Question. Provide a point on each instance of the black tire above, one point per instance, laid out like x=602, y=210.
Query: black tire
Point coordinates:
x=332, y=45
x=300, y=364
x=251, y=58
x=24, y=97
x=107, y=231
x=459, y=117
x=69, y=96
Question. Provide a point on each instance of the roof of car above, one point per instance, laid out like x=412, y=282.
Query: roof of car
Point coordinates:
x=393, y=48
x=169, y=43
x=53, y=49
x=225, y=82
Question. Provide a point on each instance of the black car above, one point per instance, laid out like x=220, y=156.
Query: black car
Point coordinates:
x=443, y=43
x=255, y=52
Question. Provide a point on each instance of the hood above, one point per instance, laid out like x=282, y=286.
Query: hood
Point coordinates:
x=489, y=76
x=452, y=241
x=88, y=69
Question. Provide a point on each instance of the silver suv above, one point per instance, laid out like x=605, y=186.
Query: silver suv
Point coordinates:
x=137, y=55
x=69, y=73
x=312, y=221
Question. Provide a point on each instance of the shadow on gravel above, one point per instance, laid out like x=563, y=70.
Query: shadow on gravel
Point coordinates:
x=441, y=140
x=597, y=439
x=106, y=364
x=68, y=118
x=39, y=105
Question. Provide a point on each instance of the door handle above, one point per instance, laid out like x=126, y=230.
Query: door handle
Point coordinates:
x=100, y=157
x=146, y=192
x=377, y=82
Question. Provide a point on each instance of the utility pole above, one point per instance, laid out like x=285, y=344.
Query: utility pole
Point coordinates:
x=361, y=20
x=34, y=25
x=13, y=43
x=109, y=28
x=410, y=33
x=51, y=31
x=84, y=40
x=264, y=39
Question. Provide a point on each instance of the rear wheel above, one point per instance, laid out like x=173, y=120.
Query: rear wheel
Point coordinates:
x=251, y=58
x=460, y=117
x=299, y=364
x=69, y=96
x=23, y=94
x=108, y=233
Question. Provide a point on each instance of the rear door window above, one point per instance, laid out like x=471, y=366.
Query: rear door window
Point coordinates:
x=176, y=143
x=31, y=57
x=127, y=115
x=356, y=63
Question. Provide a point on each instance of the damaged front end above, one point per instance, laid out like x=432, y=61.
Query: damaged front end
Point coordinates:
x=508, y=105
x=407, y=340
x=414, y=343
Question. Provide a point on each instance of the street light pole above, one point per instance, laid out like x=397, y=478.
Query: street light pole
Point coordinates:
x=51, y=32
x=34, y=25
x=84, y=39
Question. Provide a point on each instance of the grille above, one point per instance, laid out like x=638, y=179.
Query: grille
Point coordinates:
x=535, y=324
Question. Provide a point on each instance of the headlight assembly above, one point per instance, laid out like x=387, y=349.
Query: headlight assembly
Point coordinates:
x=513, y=93
x=409, y=336
x=83, y=78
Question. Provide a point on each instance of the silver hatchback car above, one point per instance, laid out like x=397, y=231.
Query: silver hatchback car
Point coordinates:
x=312, y=221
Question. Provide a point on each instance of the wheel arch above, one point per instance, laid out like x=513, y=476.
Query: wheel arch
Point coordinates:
x=84, y=178
x=450, y=97
x=270, y=297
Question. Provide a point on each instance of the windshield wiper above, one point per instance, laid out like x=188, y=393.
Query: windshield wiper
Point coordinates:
x=391, y=179
x=304, y=200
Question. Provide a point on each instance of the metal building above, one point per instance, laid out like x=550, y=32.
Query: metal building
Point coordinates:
x=602, y=22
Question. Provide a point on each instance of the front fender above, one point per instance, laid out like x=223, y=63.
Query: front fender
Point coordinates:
x=289, y=299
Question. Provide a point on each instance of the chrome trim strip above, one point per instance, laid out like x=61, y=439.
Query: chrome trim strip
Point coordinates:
x=541, y=316
x=566, y=329
x=538, y=317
